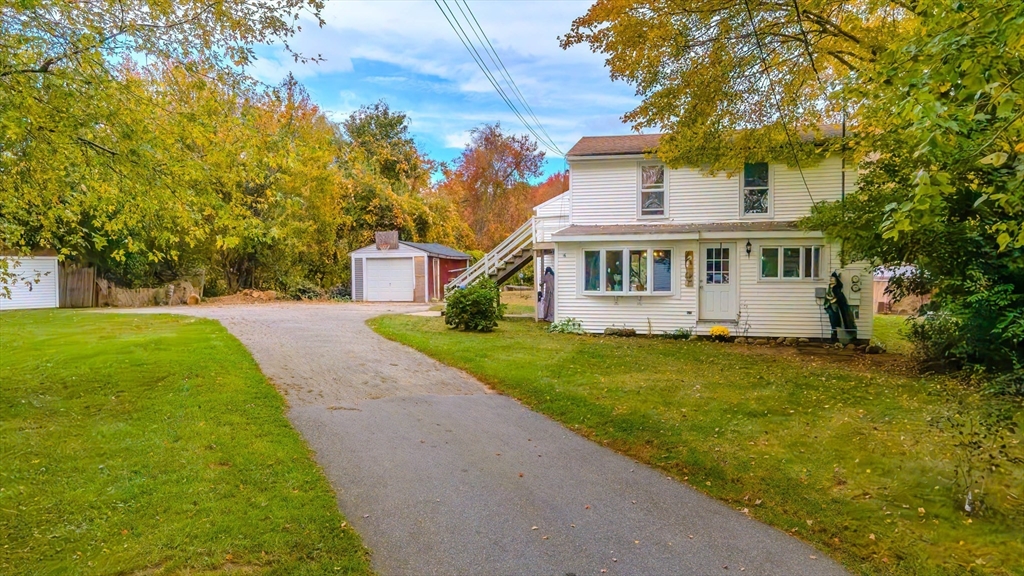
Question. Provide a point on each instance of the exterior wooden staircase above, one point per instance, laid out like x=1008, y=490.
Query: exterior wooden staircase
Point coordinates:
x=503, y=261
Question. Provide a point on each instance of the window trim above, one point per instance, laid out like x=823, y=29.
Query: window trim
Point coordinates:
x=771, y=193
x=779, y=277
x=625, y=250
x=640, y=191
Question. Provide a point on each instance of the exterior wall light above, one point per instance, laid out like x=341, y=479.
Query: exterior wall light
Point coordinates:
x=749, y=248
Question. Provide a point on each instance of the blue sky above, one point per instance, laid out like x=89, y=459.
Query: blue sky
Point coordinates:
x=405, y=52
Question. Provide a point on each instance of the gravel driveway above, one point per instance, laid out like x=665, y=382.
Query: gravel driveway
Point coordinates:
x=441, y=476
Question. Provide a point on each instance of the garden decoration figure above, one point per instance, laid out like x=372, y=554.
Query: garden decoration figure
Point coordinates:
x=547, y=300
x=840, y=317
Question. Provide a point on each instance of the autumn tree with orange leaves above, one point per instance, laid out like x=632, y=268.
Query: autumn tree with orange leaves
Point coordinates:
x=490, y=182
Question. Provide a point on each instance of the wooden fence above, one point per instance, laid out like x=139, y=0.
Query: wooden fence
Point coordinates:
x=77, y=286
x=82, y=287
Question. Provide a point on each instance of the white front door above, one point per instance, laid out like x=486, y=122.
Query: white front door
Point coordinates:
x=718, y=281
x=389, y=279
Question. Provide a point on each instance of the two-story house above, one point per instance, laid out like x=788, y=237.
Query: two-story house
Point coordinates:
x=635, y=244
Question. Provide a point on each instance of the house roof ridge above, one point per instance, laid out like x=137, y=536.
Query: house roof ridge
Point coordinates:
x=635, y=144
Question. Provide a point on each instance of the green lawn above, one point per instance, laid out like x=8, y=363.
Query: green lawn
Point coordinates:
x=844, y=452
x=153, y=445
x=889, y=333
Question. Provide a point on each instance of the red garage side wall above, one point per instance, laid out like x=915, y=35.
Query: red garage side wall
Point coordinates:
x=441, y=271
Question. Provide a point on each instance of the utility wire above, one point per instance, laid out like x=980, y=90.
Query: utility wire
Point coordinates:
x=496, y=60
x=471, y=47
x=467, y=42
x=775, y=96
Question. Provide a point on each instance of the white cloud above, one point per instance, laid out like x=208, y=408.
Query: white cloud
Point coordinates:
x=441, y=88
x=457, y=140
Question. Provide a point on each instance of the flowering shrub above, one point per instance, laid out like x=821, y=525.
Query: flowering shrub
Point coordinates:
x=719, y=333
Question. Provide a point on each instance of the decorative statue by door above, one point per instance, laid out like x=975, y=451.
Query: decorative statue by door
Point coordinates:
x=547, y=295
x=840, y=317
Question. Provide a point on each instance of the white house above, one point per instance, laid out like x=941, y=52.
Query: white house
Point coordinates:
x=33, y=283
x=635, y=244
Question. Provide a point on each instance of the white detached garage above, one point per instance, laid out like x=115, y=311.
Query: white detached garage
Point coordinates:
x=394, y=271
x=35, y=283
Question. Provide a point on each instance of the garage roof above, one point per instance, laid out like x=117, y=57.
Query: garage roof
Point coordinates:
x=439, y=250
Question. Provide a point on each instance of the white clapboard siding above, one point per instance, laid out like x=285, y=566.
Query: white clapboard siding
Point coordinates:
x=595, y=313
x=789, y=307
x=782, y=307
x=767, y=308
x=604, y=192
x=791, y=198
x=41, y=273
x=695, y=197
x=551, y=216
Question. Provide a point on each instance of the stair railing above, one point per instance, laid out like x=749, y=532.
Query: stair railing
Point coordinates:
x=504, y=252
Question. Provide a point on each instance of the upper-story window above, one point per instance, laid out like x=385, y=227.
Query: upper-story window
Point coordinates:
x=756, y=193
x=652, y=190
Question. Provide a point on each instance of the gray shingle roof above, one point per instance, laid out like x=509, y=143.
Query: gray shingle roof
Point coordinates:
x=439, y=250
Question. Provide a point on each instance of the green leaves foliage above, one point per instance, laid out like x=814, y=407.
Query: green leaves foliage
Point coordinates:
x=132, y=140
x=476, y=307
x=933, y=93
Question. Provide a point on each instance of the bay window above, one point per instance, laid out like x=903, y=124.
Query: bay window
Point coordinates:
x=613, y=271
x=790, y=262
x=627, y=271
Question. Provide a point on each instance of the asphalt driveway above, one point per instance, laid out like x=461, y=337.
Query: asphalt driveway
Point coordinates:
x=441, y=476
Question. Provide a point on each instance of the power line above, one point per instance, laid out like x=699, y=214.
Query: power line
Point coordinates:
x=467, y=42
x=775, y=96
x=505, y=73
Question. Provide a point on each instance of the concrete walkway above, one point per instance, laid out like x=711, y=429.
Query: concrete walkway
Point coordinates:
x=441, y=476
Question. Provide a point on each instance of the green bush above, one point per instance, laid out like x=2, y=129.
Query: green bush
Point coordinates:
x=477, y=307
x=566, y=326
x=306, y=291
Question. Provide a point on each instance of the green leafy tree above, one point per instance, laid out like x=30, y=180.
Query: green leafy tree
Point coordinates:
x=941, y=113
x=932, y=92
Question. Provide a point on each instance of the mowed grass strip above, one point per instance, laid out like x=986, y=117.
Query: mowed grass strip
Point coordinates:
x=153, y=445
x=890, y=333
x=845, y=453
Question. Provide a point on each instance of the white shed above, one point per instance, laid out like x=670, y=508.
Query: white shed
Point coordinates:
x=35, y=283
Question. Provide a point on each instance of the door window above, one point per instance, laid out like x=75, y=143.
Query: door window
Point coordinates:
x=716, y=263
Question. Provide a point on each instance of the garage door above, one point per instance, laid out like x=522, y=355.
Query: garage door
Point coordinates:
x=42, y=294
x=389, y=279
